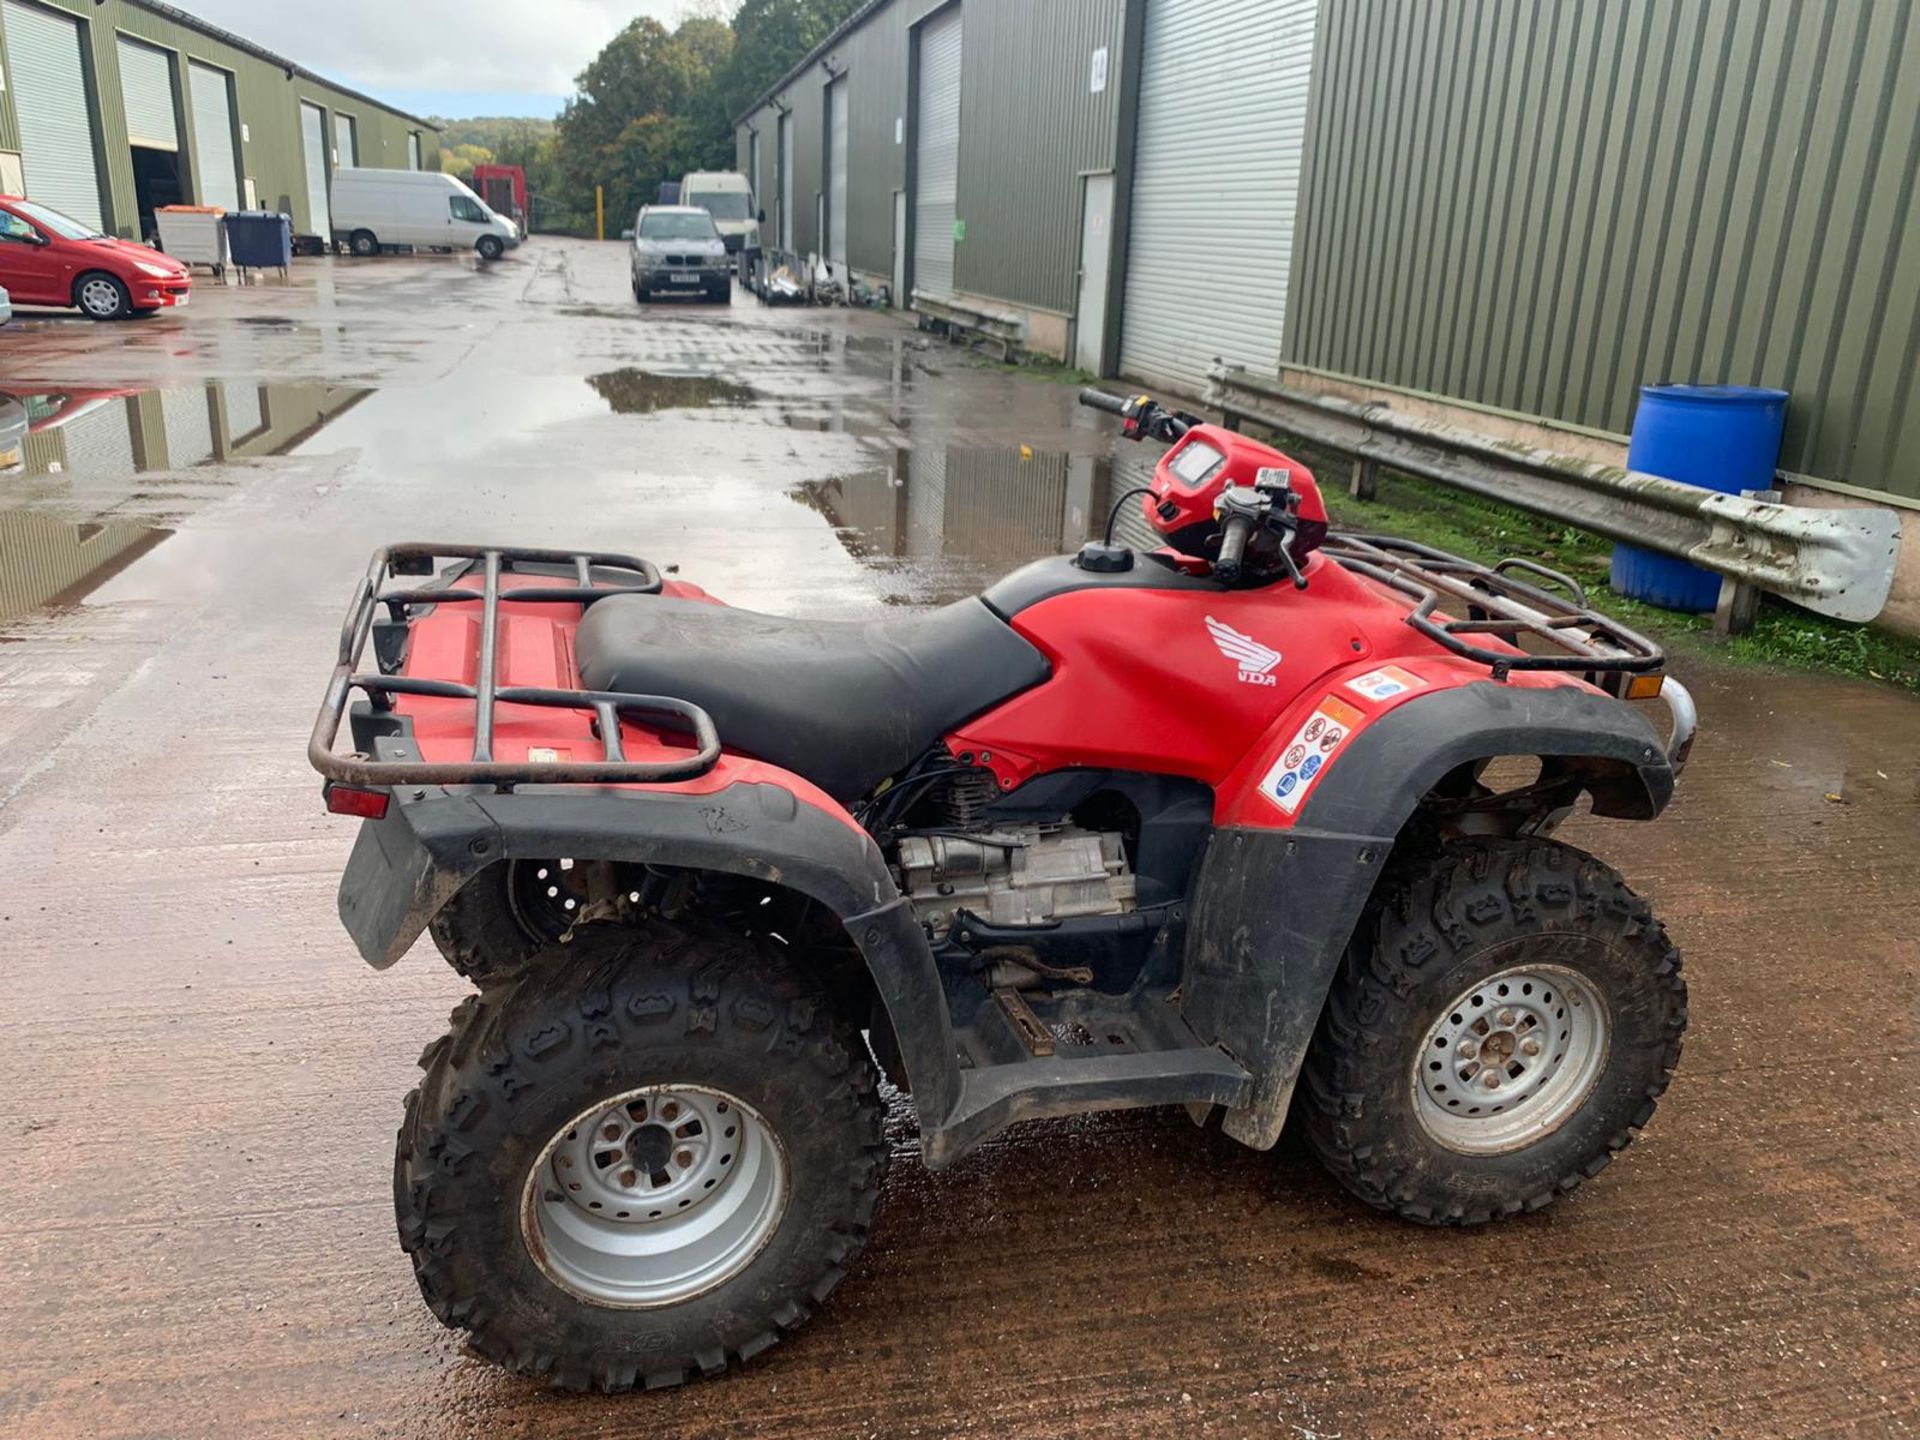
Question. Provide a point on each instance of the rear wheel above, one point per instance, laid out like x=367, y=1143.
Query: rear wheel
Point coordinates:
x=102, y=296
x=365, y=244
x=651, y=1157
x=1506, y=1026
x=506, y=915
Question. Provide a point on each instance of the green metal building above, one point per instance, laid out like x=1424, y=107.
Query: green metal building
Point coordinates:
x=1529, y=207
x=110, y=108
x=1537, y=207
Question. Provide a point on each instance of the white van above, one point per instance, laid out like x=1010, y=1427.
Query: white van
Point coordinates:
x=726, y=195
x=375, y=208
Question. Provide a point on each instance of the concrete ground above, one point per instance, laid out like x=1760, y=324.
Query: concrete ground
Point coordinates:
x=199, y=1079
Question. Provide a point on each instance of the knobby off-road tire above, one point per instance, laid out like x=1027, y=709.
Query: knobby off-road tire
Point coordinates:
x=482, y=935
x=1430, y=996
x=658, y=1009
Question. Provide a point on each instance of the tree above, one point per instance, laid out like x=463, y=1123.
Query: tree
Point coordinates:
x=770, y=38
x=655, y=104
x=459, y=160
x=647, y=110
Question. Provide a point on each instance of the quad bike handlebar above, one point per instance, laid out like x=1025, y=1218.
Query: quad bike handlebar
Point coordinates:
x=1142, y=417
x=1233, y=548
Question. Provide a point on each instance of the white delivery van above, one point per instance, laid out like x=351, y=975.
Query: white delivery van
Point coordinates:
x=422, y=208
x=726, y=195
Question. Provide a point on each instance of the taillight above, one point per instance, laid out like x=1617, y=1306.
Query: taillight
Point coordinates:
x=351, y=800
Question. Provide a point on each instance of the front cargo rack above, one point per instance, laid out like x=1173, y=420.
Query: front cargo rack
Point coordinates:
x=1494, y=601
x=594, y=577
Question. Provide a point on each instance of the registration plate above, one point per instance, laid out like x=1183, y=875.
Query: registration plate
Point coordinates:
x=684, y=277
x=12, y=459
x=182, y=298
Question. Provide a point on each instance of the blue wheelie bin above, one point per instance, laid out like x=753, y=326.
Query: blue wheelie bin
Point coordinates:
x=1718, y=437
x=260, y=240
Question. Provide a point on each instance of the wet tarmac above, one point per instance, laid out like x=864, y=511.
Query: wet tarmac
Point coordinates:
x=201, y=1080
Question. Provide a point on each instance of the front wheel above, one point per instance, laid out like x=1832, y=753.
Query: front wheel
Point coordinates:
x=491, y=247
x=1498, y=1035
x=651, y=1157
x=102, y=296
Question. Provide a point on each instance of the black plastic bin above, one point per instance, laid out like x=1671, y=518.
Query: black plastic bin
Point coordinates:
x=260, y=240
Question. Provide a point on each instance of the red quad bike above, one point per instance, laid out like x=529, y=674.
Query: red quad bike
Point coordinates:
x=1235, y=825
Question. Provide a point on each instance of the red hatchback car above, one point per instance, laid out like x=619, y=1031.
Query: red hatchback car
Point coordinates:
x=47, y=258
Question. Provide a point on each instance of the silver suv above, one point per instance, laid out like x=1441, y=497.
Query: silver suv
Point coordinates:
x=678, y=250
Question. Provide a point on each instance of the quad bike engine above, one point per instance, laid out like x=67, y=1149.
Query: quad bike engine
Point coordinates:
x=1016, y=875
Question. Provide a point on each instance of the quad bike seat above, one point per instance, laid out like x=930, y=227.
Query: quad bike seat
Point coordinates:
x=844, y=703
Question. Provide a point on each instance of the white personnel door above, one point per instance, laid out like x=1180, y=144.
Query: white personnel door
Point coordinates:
x=937, y=156
x=50, y=101
x=1216, y=182
x=1096, y=264
x=313, y=148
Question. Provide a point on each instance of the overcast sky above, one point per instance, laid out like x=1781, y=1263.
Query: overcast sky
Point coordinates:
x=443, y=57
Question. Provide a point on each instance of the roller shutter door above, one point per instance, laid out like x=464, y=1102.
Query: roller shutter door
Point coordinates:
x=215, y=167
x=189, y=422
x=937, y=156
x=50, y=101
x=100, y=442
x=1223, y=110
x=313, y=147
x=244, y=412
x=837, y=172
x=146, y=83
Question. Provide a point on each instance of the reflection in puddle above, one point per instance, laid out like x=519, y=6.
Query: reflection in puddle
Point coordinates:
x=642, y=392
x=45, y=560
x=59, y=540
x=949, y=521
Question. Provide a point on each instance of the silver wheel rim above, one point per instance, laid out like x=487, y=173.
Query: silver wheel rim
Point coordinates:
x=99, y=297
x=1510, y=1060
x=654, y=1196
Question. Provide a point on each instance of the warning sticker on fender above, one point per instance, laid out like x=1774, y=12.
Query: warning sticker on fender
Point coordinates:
x=1385, y=683
x=1311, y=750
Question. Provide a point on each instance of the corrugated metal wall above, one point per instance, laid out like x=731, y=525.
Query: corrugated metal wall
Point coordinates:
x=267, y=102
x=1029, y=126
x=875, y=56
x=1538, y=206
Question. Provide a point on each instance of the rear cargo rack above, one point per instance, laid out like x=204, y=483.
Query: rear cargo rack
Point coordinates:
x=594, y=577
x=1493, y=601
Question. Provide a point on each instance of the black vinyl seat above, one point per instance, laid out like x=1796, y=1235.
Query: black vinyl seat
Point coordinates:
x=844, y=703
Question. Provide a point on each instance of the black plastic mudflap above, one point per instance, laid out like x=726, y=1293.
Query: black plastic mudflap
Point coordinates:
x=405, y=867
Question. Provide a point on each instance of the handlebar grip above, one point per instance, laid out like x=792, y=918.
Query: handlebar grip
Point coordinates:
x=1100, y=400
x=1233, y=548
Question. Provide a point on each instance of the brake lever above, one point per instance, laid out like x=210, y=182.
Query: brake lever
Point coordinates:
x=1286, y=559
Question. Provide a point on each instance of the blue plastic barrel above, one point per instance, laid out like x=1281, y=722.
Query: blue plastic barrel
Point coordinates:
x=1718, y=437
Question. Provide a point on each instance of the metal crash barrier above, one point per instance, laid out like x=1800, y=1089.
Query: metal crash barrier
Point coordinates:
x=1836, y=562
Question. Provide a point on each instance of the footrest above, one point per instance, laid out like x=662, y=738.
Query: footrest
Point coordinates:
x=1102, y=1052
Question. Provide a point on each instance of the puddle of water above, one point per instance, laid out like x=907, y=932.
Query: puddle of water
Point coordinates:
x=632, y=391
x=46, y=561
x=64, y=526
x=943, y=523
x=100, y=434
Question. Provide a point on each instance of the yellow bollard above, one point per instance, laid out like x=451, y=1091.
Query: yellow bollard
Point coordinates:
x=599, y=212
